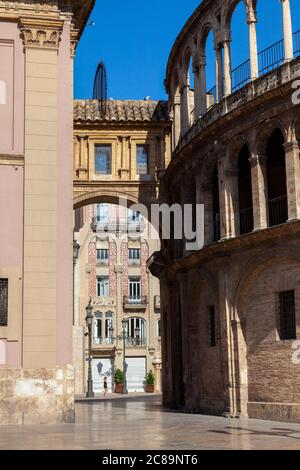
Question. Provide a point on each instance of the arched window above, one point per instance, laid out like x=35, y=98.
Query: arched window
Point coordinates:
x=210, y=73
x=216, y=205
x=136, y=332
x=276, y=179
x=245, y=191
x=239, y=46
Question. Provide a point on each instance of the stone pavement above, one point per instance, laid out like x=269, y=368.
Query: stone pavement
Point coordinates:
x=142, y=423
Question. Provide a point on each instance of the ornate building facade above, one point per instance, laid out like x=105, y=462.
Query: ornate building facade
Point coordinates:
x=230, y=311
x=37, y=43
x=121, y=154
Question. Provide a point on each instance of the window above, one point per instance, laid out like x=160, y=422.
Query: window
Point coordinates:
x=98, y=328
x=102, y=213
x=142, y=159
x=134, y=255
x=103, y=159
x=102, y=325
x=158, y=328
x=134, y=289
x=3, y=302
x=136, y=332
x=212, y=326
x=287, y=315
x=103, y=286
x=134, y=216
x=102, y=255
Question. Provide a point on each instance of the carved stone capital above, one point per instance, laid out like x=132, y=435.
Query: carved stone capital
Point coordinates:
x=41, y=33
x=73, y=41
x=257, y=160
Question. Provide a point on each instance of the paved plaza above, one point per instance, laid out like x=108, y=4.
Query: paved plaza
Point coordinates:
x=141, y=423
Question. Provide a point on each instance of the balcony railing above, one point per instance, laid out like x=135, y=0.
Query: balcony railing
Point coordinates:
x=217, y=227
x=246, y=220
x=131, y=302
x=118, y=225
x=268, y=59
x=103, y=341
x=278, y=211
x=132, y=342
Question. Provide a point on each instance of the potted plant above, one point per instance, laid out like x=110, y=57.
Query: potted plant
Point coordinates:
x=150, y=381
x=118, y=381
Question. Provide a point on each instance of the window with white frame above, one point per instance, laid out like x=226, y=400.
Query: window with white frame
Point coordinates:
x=134, y=289
x=134, y=255
x=136, y=332
x=102, y=325
x=102, y=213
x=102, y=255
x=134, y=216
x=142, y=159
x=103, y=159
x=102, y=286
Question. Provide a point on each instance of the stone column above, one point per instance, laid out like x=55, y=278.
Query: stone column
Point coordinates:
x=177, y=120
x=197, y=90
x=202, y=85
x=292, y=164
x=157, y=372
x=227, y=192
x=219, y=72
x=227, y=67
x=251, y=20
x=259, y=191
x=185, y=109
x=287, y=30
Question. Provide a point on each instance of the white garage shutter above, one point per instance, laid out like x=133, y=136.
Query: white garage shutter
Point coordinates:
x=100, y=368
x=136, y=372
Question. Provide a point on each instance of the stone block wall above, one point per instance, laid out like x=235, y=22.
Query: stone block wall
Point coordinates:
x=37, y=396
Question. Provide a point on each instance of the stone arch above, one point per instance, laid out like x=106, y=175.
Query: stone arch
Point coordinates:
x=234, y=147
x=265, y=131
x=210, y=25
x=254, y=268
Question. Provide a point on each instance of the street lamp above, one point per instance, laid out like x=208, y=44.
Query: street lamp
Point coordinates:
x=76, y=248
x=89, y=322
x=123, y=336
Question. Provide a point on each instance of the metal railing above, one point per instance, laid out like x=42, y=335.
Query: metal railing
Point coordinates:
x=241, y=75
x=118, y=225
x=217, y=227
x=268, y=59
x=133, y=342
x=246, y=220
x=142, y=300
x=101, y=341
x=278, y=211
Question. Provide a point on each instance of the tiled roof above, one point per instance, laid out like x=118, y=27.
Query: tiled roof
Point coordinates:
x=121, y=111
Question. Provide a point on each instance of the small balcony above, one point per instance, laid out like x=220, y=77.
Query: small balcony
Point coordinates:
x=118, y=225
x=103, y=343
x=132, y=342
x=131, y=303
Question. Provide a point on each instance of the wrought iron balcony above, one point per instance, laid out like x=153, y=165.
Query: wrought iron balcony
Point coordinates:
x=246, y=220
x=278, y=211
x=101, y=341
x=135, y=303
x=118, y=225
x=132, y=342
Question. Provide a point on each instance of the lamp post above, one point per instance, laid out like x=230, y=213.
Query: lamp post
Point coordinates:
x=89, y=322
x=76, y=248
x=123, y=336
x=125, y=390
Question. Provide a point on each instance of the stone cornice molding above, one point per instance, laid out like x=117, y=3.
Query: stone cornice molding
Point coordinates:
x=41, y=33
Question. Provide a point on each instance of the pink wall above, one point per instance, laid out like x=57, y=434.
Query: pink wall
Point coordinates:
x=11, y=216
x=11, y=90
x=64, y=204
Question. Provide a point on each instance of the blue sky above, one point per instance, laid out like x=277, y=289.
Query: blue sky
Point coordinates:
x=134, y=39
